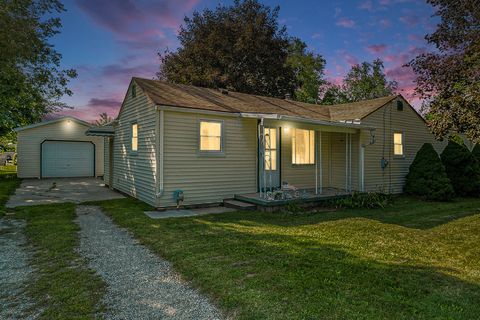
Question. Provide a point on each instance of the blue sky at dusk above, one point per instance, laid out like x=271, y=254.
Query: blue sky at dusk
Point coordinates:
x=109, y=41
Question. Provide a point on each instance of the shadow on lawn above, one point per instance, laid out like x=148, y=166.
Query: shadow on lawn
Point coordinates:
x=261, y=273
x=302, y=279
x=406, y=212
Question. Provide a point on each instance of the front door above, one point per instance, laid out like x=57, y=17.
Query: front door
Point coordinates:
x=271, y=178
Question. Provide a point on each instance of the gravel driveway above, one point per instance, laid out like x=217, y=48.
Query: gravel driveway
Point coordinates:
x=140, y=284
x=14, y=272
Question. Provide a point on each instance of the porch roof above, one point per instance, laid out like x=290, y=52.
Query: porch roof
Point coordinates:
x=197, y=98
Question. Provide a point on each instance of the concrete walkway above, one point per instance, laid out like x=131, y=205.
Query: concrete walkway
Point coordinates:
x=187, y=212
x=47, y=191
x=140, y=284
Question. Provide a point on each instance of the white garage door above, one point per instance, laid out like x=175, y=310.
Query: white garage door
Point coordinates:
x=67, y=159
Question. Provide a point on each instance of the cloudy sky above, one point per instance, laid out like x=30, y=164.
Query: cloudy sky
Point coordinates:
x=109, y=41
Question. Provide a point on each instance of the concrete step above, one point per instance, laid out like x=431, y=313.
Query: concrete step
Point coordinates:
x=239, y=205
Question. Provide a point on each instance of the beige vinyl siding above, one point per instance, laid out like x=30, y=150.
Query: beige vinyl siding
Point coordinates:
x=135, y=172
x=388, y=120
x=106, y=161
x=208, y=178
x=29, y=145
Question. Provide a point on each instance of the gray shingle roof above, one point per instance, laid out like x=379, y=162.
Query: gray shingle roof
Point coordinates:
x=186, y=96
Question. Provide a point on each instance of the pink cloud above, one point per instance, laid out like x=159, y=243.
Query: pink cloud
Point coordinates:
x=385, y=23
x=376, y=49
x=366, y=5
x=416, y=37
x=346, y=23
x=410, y=19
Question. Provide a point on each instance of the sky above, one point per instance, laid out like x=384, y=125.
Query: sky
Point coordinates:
x=110, y=41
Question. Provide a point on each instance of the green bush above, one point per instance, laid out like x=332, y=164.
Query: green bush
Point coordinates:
x=476, y=151
x=364, y=200
x=427, y=177
x=462, y=168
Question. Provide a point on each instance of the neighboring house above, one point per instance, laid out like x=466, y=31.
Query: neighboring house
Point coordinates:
x=58, y=148
x=215, y=144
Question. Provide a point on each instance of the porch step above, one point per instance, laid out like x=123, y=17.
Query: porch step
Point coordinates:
x=239, y=205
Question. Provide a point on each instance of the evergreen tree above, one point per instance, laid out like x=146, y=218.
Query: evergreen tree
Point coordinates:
x=462, y=169
x=427, y=177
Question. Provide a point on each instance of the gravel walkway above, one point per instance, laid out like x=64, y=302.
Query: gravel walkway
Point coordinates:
x=14, y=272
x=140, y=284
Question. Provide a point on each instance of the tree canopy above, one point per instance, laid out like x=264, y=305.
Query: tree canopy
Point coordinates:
x=449, y=78
x=242, y=47
x=31, y=81
x=363, y=81
x=103, y=119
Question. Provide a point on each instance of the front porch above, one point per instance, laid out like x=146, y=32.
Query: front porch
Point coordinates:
x=308, y=162
x=306, y=197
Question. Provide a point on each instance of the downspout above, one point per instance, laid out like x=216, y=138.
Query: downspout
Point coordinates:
x=160, y=151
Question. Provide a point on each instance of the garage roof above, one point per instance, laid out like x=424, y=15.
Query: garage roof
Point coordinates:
x=44, y=123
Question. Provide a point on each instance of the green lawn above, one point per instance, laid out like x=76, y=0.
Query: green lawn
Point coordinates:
x=412, y=260
x=63, y=286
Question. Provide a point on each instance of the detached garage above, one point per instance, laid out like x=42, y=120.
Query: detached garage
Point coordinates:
x=58, y=148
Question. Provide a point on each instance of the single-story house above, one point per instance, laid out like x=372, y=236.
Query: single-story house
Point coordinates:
x=216, y=144
x=58, y=148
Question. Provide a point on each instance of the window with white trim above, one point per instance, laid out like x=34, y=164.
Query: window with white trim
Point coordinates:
x=398, y=144
x=134, y=134
x=211, y=136
x=303, y=146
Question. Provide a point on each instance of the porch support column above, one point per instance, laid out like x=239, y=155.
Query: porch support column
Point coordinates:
x=320, y=162
x=346, y=161
x=261, y=166
x=362, y=168
x=316, y=162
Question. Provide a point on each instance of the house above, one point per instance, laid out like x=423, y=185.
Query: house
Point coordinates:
x=213, y=145
x=58, y=148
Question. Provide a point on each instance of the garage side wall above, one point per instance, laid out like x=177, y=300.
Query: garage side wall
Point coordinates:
x=135, y=172
x=29, y=144
x=389, y=120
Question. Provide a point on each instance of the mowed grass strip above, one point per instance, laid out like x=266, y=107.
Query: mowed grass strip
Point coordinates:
x=8, y=184
x=414, y=260
x=63, y=286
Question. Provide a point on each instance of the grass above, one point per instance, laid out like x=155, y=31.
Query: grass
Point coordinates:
x=412, y=260
x=64, y=287
x=8, y=184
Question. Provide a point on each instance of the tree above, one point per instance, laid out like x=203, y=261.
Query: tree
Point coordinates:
x=449, y=79
x=103, y=119
x=476, y=152
x=308, y=70
x=239, y=47
x=31, y=81
x=427, y=177
x=364, y=81
x=462, y=169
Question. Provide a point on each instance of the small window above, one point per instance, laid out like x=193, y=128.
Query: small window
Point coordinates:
x=134, y=142
x=398, y=144
x=303, y=146
x=134, y=90
x=211, y=136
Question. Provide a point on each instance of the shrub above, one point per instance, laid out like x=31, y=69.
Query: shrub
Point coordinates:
x=462, y=168
x=427, y=177
x=359, y=200
x=476, y=151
